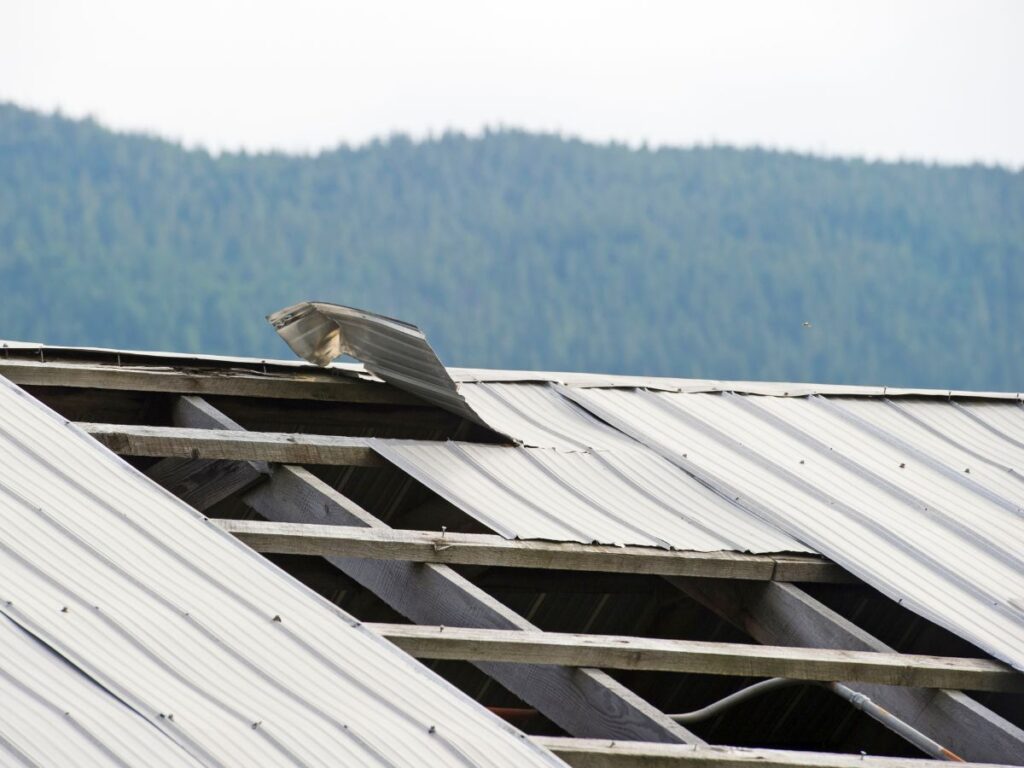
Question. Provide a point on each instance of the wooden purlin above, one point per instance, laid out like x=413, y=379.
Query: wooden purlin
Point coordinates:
x=710, y=658
x=492, y=550
x=600, y=753
x=278, y=447
x=317, y=385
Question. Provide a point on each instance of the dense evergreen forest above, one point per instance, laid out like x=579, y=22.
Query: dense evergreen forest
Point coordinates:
x=518, y=250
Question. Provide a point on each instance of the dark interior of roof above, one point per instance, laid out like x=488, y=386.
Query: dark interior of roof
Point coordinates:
x=802, y=717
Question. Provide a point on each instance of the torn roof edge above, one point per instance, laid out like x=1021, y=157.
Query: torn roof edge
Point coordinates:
x=463, y=375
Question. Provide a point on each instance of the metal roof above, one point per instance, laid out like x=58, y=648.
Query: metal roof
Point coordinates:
x=880, y=485
x=157, y=634
x=887, y=497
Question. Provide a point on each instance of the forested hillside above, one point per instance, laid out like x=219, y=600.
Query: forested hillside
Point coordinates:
x=522, y=251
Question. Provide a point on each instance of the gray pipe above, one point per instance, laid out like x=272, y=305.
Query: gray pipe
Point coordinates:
x=716, y=708
x=893, y=723
x=857, y=700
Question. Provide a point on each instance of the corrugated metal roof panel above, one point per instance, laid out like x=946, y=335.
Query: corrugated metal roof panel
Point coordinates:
x=52, y=714
x=536, y=415
x=395, y=351
x=231, y=660
x=1006, y=422
x=990, y=470
x=624, y=496
x=954, y=425
x=940, y=544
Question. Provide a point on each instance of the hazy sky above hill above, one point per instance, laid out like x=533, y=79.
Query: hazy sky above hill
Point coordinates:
x=924, y=80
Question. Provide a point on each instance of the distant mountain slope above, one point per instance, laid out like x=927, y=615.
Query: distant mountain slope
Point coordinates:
x=523, y=251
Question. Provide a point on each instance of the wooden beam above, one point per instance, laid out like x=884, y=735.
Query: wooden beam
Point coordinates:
x=201, y=484
x=583, y=702
x=700, y=657
x=302, y=384
x=783, y=614
x=601, y=753
x=491, y=550
x=178, y=442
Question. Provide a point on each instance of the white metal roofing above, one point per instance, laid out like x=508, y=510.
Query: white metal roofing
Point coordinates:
x=628, y=495
x=891, y=498
x=158, y=635
x=53, y=714
x=536, y=415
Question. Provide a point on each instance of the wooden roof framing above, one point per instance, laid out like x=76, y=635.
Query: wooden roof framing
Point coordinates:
x=208, y=458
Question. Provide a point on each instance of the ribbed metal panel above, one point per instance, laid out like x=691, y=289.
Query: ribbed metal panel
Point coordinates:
x=536, y=415
x=624, y=496
x=52, y=714
x=200, y=647
x=889, y=504
x=395, y=351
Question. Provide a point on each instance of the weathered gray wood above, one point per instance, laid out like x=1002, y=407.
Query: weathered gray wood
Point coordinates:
x=491, y=550
x=600, y=753
x=301, y=384
x=783, y=614
x=584, y=702
x=659, y=655
x=178, y=442
x=201, y=484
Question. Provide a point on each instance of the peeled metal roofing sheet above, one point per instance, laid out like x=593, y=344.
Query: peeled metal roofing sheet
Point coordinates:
x=395, y=351
x=623, y=496
x=226, y=658
x=935, y=542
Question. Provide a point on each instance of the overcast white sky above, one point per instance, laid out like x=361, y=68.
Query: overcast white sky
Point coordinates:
x=925, y=80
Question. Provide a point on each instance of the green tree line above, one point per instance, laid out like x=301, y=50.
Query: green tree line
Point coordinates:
x=519, y=250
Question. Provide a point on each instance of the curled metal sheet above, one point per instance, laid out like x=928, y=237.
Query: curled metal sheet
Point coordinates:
x=395, y=351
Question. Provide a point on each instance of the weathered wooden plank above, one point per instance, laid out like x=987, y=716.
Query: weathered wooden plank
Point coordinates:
x=783, y=614
x=660, y=655
x=300, y=385
x=584, y=702
x=178, y=442
x=201, y=484
x=600, y=753
x=491, y=550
